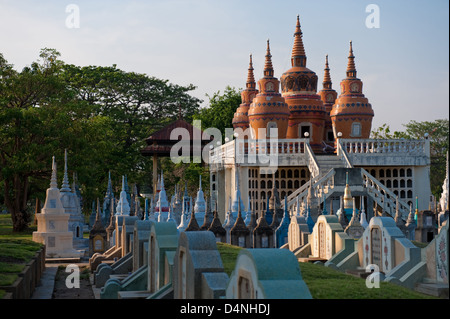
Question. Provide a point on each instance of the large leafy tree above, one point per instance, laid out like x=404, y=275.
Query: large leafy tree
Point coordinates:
x=100, y=114
x=34, y=121
x=136, y=106
x=220, y=110
x=437, y=132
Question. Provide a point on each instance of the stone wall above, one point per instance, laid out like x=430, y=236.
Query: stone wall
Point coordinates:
x=28, y=279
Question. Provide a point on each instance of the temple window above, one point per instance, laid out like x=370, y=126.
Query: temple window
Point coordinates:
x=356, y=129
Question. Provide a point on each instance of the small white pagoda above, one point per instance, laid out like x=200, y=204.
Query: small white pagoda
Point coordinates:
x=53, y=224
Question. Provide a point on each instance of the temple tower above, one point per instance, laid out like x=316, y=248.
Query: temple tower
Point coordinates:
x=268, y=109
x=240, y=119
x=299, y=87
x=328, y=96
x=352, y=113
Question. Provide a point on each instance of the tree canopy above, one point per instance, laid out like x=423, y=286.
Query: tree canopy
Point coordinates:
x=101, y=115
x=437, y=132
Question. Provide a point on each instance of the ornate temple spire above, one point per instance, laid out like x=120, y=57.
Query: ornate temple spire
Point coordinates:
x=351, y=69
x=250, y=76
x=298, y=57
x=268, y=67
x=326, y=77
x=65, y=187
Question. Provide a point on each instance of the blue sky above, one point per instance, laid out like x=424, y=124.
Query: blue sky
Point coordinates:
x=404, y=64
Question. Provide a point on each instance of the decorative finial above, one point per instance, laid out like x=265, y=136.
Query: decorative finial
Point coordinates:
x=326, y=78
x=351, y=69
x=250, y=76
x=65, y=184
x=53, y=181
x=298, y=57
x=268, y=67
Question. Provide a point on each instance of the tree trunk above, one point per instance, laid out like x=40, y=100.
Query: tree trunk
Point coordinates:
x=16, y=202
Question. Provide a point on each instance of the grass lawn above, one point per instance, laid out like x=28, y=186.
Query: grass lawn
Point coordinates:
x=327, y=283
x=6, y=229
x=16, y=249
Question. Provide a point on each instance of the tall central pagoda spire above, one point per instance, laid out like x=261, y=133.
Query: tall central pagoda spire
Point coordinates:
x=351, y=68
x=298, y=57
x=299, y=88
x=268, y=67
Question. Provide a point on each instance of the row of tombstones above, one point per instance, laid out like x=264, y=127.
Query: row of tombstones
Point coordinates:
x=155, y=260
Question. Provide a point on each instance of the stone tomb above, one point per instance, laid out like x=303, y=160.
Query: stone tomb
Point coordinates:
x=163, y=242
x=127, y=233
x=140, y=243
x=198, y=270
x=385, y=248
x=435, y=255
x=426, y=228
x=263, y=234
x=298, y=232
x=137, y=280
x=267, y=274
x=384, y=245
x=327, y=239
x=97, y=235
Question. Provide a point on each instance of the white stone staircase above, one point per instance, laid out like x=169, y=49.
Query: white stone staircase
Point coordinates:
x=327, y=162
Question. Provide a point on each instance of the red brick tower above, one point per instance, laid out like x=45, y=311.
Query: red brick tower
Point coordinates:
x=268, y=109
x=299, y=87
x=352, y=113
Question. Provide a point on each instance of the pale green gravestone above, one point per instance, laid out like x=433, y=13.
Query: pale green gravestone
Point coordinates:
x=267, y=273
x=198, y=270
x=163, y=241
x=141, y=235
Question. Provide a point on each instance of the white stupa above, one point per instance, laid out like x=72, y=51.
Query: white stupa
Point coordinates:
x=162, y=205
x=53, y=224
x=200, y=204
x=71, y=206
x=123, y=206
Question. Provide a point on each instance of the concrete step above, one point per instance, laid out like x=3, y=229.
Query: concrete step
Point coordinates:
x=439, y=290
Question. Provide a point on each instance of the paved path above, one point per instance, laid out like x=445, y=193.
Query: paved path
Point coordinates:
x=46, y=286
x=44, y=289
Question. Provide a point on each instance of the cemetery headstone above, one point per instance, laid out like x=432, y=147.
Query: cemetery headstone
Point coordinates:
x=267, y=274
x=198, y=269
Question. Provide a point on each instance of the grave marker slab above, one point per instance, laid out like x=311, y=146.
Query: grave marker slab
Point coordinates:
x=267, y=273
x=196, y=255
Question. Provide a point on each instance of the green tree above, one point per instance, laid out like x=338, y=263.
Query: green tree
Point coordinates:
x=136, y=105
x=437, y=132
x=34, y=121
x=102, y=115
x=220, y=110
